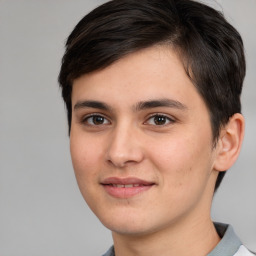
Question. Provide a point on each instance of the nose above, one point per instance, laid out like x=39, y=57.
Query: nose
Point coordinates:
x=125, y=147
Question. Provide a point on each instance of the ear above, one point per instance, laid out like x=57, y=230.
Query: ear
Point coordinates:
x=229, y=143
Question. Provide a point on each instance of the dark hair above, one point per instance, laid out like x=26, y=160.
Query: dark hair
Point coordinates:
x=210, y=48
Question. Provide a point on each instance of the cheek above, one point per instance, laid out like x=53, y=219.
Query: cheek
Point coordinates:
x=85, y=155
x=184, y=174
x=183, y=160
x=86, y=164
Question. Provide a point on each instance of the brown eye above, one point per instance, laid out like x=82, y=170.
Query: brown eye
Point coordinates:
x=96, y=120
x=159, y=120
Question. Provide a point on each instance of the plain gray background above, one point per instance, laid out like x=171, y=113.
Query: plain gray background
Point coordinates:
x=41, y=209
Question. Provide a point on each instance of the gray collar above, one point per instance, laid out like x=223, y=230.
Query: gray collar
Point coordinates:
x=110, y=252
x=228, y=245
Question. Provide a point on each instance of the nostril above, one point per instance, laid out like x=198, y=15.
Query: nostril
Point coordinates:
x=117, y=163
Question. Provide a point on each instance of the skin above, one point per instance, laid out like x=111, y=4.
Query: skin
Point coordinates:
x=169, y=145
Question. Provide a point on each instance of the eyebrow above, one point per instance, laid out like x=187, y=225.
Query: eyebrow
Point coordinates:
x=160, y=103
x=91, y=104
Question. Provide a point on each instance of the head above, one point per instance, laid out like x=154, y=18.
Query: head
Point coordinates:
x=209, y=48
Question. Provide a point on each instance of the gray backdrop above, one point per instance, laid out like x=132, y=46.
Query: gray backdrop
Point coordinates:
x=41, y=209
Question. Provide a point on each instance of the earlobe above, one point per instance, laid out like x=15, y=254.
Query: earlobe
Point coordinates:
x=229, y=143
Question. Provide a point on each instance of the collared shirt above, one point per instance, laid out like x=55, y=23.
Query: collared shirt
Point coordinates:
x=229, y=245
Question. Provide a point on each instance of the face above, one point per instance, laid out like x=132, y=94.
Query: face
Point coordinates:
x=141, y=143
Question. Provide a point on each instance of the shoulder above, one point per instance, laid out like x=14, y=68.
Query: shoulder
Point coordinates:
x=243, y=251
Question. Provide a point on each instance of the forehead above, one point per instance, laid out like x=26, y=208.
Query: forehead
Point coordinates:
x=155, y=72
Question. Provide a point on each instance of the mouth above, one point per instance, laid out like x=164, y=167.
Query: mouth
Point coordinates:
x=125, y=187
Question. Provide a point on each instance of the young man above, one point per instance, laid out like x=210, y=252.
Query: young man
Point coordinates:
x=152, y=90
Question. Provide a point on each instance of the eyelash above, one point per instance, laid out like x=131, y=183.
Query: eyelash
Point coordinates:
x=165, y=118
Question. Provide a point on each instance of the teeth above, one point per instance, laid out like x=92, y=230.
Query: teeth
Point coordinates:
x=125, y=186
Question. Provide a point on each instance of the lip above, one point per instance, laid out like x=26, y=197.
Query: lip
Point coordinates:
x=125, y=187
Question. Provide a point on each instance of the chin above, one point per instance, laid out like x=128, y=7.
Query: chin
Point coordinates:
x=129, y=226
x=130, y=230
